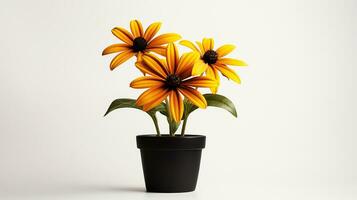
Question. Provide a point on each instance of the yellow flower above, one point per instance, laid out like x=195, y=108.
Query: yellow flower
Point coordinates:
x=170, y=78
x=211, y=61
x=138, y=42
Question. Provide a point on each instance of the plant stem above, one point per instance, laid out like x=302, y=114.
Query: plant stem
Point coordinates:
x=169, y=117
x=184, y=126
x=154, y=119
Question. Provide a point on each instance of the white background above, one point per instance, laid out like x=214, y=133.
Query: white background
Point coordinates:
x=295, y=136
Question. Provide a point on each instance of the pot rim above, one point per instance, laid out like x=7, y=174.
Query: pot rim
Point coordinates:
x=167, y=142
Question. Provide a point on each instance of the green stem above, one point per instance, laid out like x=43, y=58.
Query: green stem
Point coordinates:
x=154, y=119
x=184, y=126
x=169, y=117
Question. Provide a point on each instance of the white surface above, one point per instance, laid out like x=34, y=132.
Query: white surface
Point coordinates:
x=294, y=138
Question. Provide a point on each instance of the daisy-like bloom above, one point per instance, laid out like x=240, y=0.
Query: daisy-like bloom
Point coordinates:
x=170, y=78
x=211, y=61
x=138, y=42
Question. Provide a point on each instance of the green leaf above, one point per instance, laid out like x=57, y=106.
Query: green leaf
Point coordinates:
x=130, y=103
x=214, y=100
x=121, y=103
x=221, y=101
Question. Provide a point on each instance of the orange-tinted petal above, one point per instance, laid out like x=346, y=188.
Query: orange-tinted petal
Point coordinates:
x=139, y=56
x=185, y=65
x=194, y=96
x=176, y=105
x=164, y=64
x=120, y=58
x=155, y=102
x=172, y=57
x=208, y=44
x=147, y=70
x=200, y=81
x=229, y=73
x=136, y=28
x=199, y=67
x=231, y=61
x=115, y=48
x=158, y=99
x=164, y=39
x=155, y=64
x=152, y=30
x=123, y=35
x=146, y=82
x=190, y=45
x=161, y=50
x=152, y=95
x=139, y=59
x=225, y=49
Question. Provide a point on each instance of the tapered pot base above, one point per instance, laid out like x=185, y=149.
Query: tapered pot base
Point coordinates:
x=170, y=164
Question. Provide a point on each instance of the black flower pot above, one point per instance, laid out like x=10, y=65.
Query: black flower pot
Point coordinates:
x=170, y=164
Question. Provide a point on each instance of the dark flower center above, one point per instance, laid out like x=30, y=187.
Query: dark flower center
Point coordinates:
x=139, y=44
x=210, y=57
x=173, y=81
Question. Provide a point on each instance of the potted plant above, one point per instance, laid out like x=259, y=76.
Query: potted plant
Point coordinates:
x=172, y=82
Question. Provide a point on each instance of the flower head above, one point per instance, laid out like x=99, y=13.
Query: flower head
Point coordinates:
x=170, y=78
x=212, y=61
x=138, y=42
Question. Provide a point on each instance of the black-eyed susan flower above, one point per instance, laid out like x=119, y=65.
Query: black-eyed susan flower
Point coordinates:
x=138, y=42
x=211, y=61
x=170, y=78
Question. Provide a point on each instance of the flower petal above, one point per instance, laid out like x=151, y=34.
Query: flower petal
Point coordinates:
x=199, y=44
x=229, y=73
x=231, y=61
x=147, y=70
x=193, y=96
x=185, y=65
x=199, y=67
x=225, y=49
x=156, y=100
x=139, y=56
x=208, y=44
x=120, y=58
x=146, y=82
x=200, y=81
x=161, y=50
x=212, y=73
x=190, y=45
x=155, y=64
x=123, y=35
x=115, y=48
x=155, y=103
x=152, y=95
x=136, y=28
x=172, y=57
x=152, y=30
x=164, y=39
x=176, y=105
